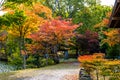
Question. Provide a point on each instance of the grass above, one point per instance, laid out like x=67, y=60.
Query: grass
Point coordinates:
x=6, y=76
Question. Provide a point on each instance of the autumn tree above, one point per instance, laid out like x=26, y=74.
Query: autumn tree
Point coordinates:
x=87, y=42
x=109, y=38
x=92, y=63
x=81, y=11
x=113, y=40
x=23, y=20
x=52, y=34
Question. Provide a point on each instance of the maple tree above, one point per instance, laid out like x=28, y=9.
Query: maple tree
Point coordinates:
x=109, y=37
x=52, y=34
x=87, y=42
x=113, y=37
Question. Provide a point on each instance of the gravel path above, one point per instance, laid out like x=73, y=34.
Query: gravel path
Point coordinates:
x=58, y=73
x=53, y=74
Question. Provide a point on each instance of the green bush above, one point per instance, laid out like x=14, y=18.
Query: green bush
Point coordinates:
x=42, y=62
x=113, y=52
x=50, y=61
x=15, y=59
x=31, y=66
x=31, y=62
x=31, y=59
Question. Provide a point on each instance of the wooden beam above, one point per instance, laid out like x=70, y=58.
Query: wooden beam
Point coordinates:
x=115, y=18
x=116, y=23
x=118, y=1
x=117, y=9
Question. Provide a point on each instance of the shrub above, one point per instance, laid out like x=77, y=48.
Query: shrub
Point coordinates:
x=104, y=67
x=15, y=59
x=31, y=62
x=89, y=58
x=31, y=66
x=113, y=52
x=42, y=62
x=92, y=63
x=50, y=61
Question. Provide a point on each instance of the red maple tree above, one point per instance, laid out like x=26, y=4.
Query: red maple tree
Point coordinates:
x=52, y=34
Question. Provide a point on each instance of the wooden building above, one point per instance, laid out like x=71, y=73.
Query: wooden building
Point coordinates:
x=115, y=17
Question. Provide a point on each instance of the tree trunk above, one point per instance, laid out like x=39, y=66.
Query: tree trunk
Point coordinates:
x=24, y=55
x=77, y=52
x=5, y=49
x=97, y=74
x=46, y=56
x=104, y=77
x=21, y=47
x=47, y=53
x=24, y=61
x=56, y=57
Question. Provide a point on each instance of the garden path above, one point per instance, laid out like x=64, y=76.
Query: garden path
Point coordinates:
x=64, y=71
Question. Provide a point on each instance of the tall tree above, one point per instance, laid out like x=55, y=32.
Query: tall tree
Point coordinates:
x=68, y=8
x=109, y=37
x=90, y=16
x=23, y=20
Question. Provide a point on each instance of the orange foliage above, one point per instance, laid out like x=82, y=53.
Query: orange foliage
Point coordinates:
x=32, y=21
x=39, y=8
x=111, y=33
x=89, y=58
x=53, y=32
x=113, y=37
x=104, y=22
x=23, y=52
x=85, y=58
x=108, y=15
